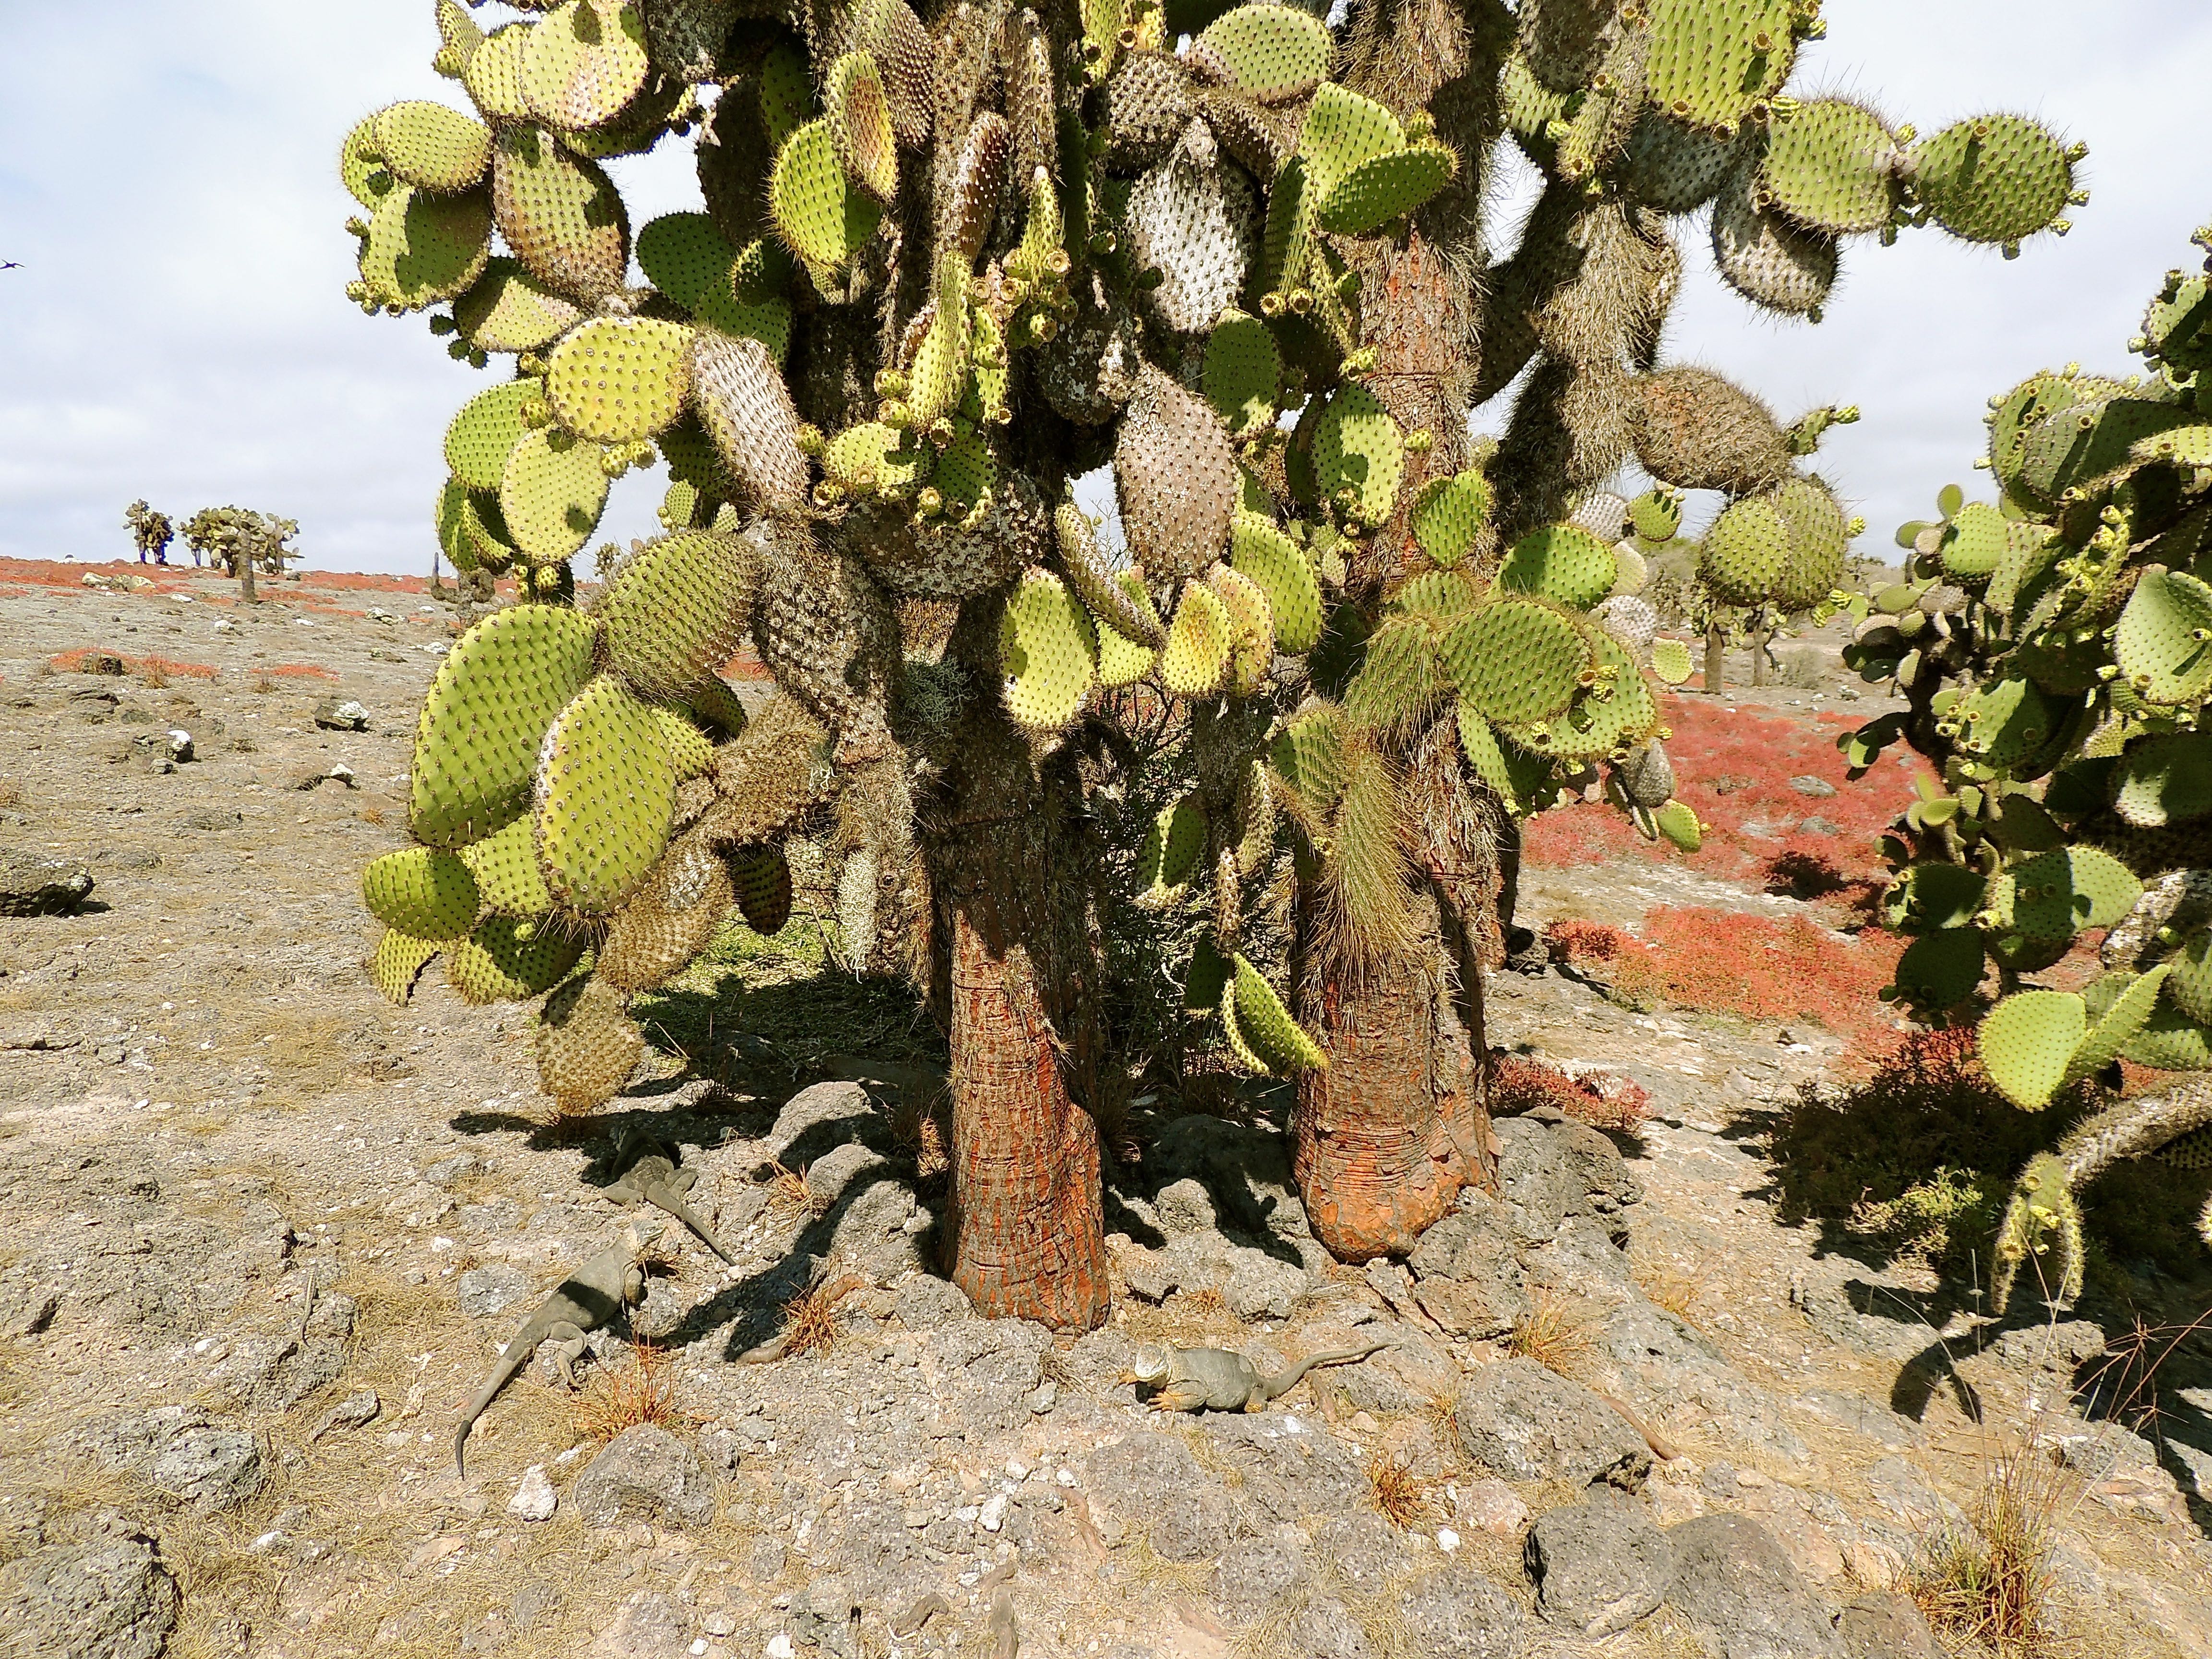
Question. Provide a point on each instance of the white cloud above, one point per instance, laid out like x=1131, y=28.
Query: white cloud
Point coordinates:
x=179, y=330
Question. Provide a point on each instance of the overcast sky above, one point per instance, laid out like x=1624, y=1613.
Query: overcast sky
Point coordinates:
x=178, y=327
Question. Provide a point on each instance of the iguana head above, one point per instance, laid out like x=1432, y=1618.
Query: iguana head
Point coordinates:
x=1149, y=1365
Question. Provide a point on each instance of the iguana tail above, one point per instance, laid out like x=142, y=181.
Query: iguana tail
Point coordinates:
x=516, y=1355
x=1289, y=1378
x=674, y=1204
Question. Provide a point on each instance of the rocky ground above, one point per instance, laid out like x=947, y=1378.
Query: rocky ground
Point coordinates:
x=266, y=1233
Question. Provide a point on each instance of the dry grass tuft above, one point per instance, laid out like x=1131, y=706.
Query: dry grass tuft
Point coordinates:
x=1441, y=1411
x=1207, y=1302
x=371, y=815
x=1678, y=1292
x=11, y=793
x=791, y=1198
x=642, y=1389
x=1993, y=1581
x=1552, y=1335
x=810, y=1319
x=1399, y=1496
x=263, y=685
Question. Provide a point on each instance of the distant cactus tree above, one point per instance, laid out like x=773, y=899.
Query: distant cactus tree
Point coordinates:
x=2056, y=648
x=947, y=266
x=239, y=541
x=151, y=531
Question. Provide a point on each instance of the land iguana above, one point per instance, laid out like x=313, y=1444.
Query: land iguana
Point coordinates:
x=1218, y=1379
x=609, y=1283
x=654, y=1173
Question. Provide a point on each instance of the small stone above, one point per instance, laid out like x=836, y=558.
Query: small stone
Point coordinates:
x=1599, y=1565
x=355, y=1411
x=1447, y=1539
x=1816, y=788
x=646, y=1471
x=650, y=1625
x=535, y=1498
x=1519, y=1420
x=32, y=884
x=211, y=1469
x=208, y=818
x=993, y=1515
x=779, y=1647
x=341, y=714
x=1884, y=1626
x=1488, y=1502
x=491, y=1288
x=1042, y=1398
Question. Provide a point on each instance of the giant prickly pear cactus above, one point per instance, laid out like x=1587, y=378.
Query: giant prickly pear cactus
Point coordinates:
x=949, y=262
x=2056, y=648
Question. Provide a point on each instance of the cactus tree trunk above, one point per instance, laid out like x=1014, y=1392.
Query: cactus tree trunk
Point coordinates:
x=1027, y=1230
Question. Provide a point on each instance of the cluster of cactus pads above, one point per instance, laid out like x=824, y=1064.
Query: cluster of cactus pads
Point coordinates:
x=950, y=262
x=2056, y=648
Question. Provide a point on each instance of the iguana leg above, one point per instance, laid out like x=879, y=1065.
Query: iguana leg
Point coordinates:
x=565, y=1344
x=1257, y=1400
x=1181, y=1397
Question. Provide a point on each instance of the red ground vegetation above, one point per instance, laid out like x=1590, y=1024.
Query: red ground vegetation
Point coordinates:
x=1518, y=1084
x=1757, y=968
x=74, y=662
x=1733, y=765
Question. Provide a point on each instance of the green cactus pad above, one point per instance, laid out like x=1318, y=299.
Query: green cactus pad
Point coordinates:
x=2163, y=644
x=2164, y=781
x=1820, y=545
x=1174, y=848
x=1941, y=969
x=1928, y=898
x=1562, y=563
x=425, y=891
x=1276, y=53
x=507, y=309
x=1441, y=597
x=1490, y=759
x=1710, y=61
x=1048, y=651
x=1517, y=659
x=1279, y=1041
x=858, y=114
x=2189, y=985
x=1122, y=660
x=588, y=1044
x=1205, y=979
x=1671, y=662
x=1251, y=628
x=1194, y=661
x=1974, y=542
x=1397, y=677
x=1614, y=714
x=761, y=877
x=476, y=744
x=1342, y=130
x=1997, y=178
x=561, y=214
x=2183, y=446
x=361, y=166
x=617, y=380
x=684, y=256
x=398, y=962
x=510, y=960
x=872, y=458
x=2005, y=720
x=431, y=146
x=1448, y=515
x=1308, y=758
x=2119, y=1024
x=1243, y=373
x=552, y=493
x=2026, y=1041
x=1265, y=555
x=1232, y=1033
x=2092, y=444
x=1093, y=581
x=1678, y=824
x=583, y=63
x=484, y=434
x=2057, y=894
x=452, y=517
x=493, y=74
x=2171, y=1042
x=675, y=611
x=817, y=211
x=1771, y=259
x=1743, y=553
x=1830, y=165
x=505, y=865
x=606, y=794
x=1384, y=187
x=1357, y=448
x=1656, y=515
x=2178, y=323
x=422, y=249
x=479, y=524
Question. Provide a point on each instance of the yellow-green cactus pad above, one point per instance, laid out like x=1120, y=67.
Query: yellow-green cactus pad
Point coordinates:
x=431, y=146
x=1517, y=659
x=494, y=74
x=1243, y=373
x=1832, y=164
x=1251, y=628
x=1276, y=53
x=1174, y=848
x=684, y=255
x=2189, y=986
x=675, y=611
x=691, y=749
x=858, y=113
x=761, y=877
x=2059, y=893
x=2171, y=1042
x=1397, y=677
x=1996, y=178
x=1048, y=651
x=561, y=214
x=1122, y=660
x=1267, y=1027
x=552, y=493
x=361, y=165
x=505, y=865
x=1385, y=187
x=2027, y=1042
x=1743, y=553
x=605, y=794
x=1233, y=1033
x=1265, y=555
x=2118, y=1025
x=822, y=216
x=1973, y=541
x=2163, y=644
x=617, y=380
x=423, y=248
x=1563, y=562
x=583, y=63
x=1671, y=661
x=1194, y=661
x=1359, y=454
x=425, y=891
x=1710, y=61
x=398, y=962
x=1678, y=823
x=510, y=960
x=507, y=309
x=1449, y=514
x=588, y=1044
x=2164, y=780
x=1656, y=515
x=1093, y=581
x=1615, y=713
x=1308, y=758
x=2006, y=720
x=485, y=432
x=1342, y=130
x=1820, y=545
x=875, y=459
x=476, y=744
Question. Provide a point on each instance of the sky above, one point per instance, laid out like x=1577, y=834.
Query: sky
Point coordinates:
x=177, y=326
